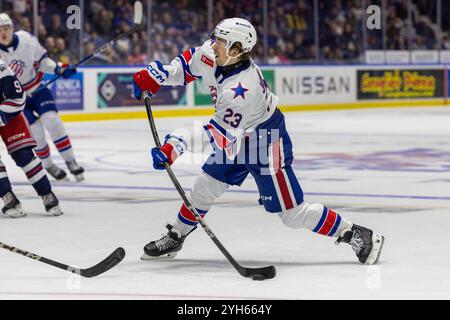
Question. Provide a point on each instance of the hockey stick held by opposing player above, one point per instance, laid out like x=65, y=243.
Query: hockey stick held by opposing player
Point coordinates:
x=66, y=71
x=30, y=61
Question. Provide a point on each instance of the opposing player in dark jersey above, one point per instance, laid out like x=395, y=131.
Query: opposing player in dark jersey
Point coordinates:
x=16, y=135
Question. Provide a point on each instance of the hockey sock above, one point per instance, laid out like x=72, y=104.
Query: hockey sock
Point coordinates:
x=330, y=223
x=317, y=218
x=186, y=220
x=42, y=149
x=5, y=185
x=55, y=127
x=32, y=167
x=205, y=191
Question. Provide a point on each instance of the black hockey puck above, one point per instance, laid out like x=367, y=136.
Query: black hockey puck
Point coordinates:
x=259, y=277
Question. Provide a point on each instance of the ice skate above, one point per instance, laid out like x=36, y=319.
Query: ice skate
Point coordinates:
x=364, y=242
x=51, y=204
x=166, y=247
x=57, y=173
x=12, y=206
x=76, y=170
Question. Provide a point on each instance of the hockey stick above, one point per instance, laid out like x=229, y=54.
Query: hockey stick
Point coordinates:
x=137, y=20
x=110, y=262
x=262, y=273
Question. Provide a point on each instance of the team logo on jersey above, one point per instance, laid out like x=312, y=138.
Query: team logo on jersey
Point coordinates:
x=239, y=91
x=17, y=66
x=3, y=67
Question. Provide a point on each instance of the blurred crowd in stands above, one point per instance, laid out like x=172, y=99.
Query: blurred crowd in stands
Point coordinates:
x=176, y=25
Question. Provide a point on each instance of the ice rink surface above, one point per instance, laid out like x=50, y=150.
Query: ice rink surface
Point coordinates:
x=387, y=169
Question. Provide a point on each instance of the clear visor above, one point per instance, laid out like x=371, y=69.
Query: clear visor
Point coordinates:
x=215, y=36
x=212, y=35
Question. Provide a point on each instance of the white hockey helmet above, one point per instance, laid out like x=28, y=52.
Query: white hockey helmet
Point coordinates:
x=234, y=30
x=5, y=20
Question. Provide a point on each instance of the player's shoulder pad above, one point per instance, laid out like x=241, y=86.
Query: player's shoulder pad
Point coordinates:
x=25, y=36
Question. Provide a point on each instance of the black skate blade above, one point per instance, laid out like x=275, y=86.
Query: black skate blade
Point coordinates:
x=110, y=262
x=169, y=256
x=263, y=273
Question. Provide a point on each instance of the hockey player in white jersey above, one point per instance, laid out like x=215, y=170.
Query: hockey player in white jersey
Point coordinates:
x=16, y=135
x=29, y=61
x=248, y=135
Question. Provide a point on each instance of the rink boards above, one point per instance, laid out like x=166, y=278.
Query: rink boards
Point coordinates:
x=106, y=93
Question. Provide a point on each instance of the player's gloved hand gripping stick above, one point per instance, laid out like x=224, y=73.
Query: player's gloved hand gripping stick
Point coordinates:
x=66, y=73
x=262, y=273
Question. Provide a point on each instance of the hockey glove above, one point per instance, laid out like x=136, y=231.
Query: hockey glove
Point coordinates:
x=149, y=79
x=173, y=148
x=65, y=70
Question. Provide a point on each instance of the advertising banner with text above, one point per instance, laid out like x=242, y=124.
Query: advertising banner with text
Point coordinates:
x=400, y=84
x=68, y=93
x=315, y=85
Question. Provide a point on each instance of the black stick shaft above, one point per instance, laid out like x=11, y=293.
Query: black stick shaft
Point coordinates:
x=106, y=264
x=39, y=258
x=96, y=52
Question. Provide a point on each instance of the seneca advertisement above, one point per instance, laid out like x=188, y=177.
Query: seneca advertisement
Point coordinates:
x=68, y=93
x=116, y=90
x=400, y=84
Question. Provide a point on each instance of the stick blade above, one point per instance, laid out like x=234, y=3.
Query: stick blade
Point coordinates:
x=110, y=262
x=137, y=12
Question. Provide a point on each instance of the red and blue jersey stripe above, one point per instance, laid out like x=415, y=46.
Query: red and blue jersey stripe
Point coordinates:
x=34, y=82
x=185, y=58
x=221, y=138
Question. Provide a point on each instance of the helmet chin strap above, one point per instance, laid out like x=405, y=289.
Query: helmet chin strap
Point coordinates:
x=230, y=57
